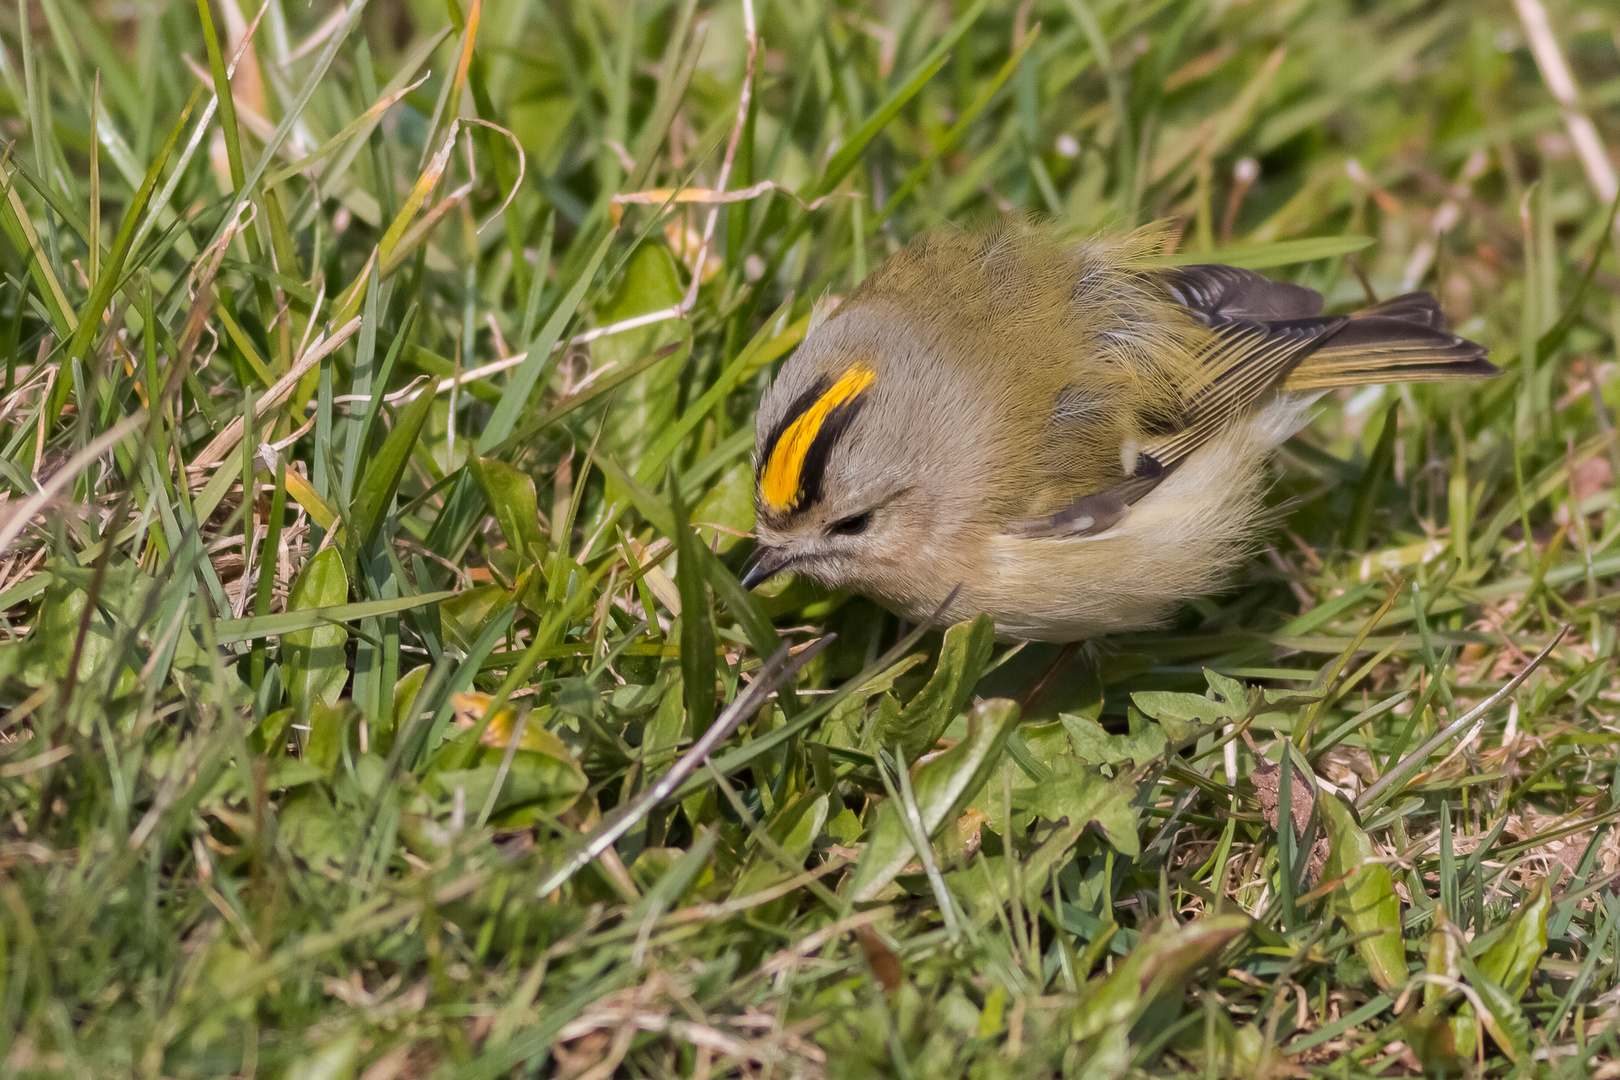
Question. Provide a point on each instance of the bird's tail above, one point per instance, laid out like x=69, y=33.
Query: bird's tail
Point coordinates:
x=1400, y=340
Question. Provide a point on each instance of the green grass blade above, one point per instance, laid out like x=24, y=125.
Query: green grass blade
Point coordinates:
x=526, y=375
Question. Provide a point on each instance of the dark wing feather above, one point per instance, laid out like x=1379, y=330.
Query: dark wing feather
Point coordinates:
x=1402, y=339
x=1211, y=290
x=1416, y=308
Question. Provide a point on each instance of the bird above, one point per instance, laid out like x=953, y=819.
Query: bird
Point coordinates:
x=1063, y=432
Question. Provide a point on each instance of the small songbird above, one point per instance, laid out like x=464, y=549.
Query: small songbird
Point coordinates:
x=1071, y=436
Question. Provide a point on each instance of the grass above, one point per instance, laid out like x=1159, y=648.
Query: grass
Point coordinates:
x=331, y=781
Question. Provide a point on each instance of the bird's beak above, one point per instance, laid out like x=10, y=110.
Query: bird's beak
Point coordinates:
x=764, y=564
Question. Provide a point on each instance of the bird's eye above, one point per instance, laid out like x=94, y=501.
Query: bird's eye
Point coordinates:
x=853, y=525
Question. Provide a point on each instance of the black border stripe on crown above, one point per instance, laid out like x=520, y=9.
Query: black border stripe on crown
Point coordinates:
x=801, y=405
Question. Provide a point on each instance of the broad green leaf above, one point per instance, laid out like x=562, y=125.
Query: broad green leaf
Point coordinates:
x=270, y=737
x=645, y=405
x=1095, y=746
x=538, y=782
x=1277, y=700
x=1226, y=689
x=1235, y=1050
x=729, y=504
x=1107, y=1054
x=1082, y=795
x=1511, y=960
x=338, y=1058
x=543, y=777
x=1168, y=705
x=1503, y=1018
x=962, y=657
x=1445, y=956
x=886, y=716
x=406, y=691
x=511, y=495
x=653, y=864
x=1366, y=902
x=1050, y=742
x=662, y=732
x=1107, y=1003
x=541, y=122
x=940, y=786
x=1168, y=959
x=467, y=613
x=843, y=727
x=845, y=828
x=311, y=828
x=1159, y=966
x=472, y=708
x=314, y=661
x=794, y=829
x=286, y=772
x=1502, y=974
x=328, y=727
x=1432, y=1035
x=48, y=649
x=982, y=884
x=678, y=876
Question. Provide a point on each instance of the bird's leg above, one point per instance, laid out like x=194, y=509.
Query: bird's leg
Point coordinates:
x=1062, y=660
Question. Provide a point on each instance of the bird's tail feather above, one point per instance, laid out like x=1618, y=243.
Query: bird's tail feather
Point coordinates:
x=1399, y=340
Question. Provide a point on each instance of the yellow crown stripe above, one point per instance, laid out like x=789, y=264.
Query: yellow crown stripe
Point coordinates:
x=779, y=482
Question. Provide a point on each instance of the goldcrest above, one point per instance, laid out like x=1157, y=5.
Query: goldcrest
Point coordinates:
x=1072, y=437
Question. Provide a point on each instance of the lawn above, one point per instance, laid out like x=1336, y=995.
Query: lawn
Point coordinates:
x=377, y=694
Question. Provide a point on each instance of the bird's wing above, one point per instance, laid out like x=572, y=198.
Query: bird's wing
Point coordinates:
x=1242, y=361
x=1245, y=359
x=1214, y=290
x=1402, y=339
x=1268, y=336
